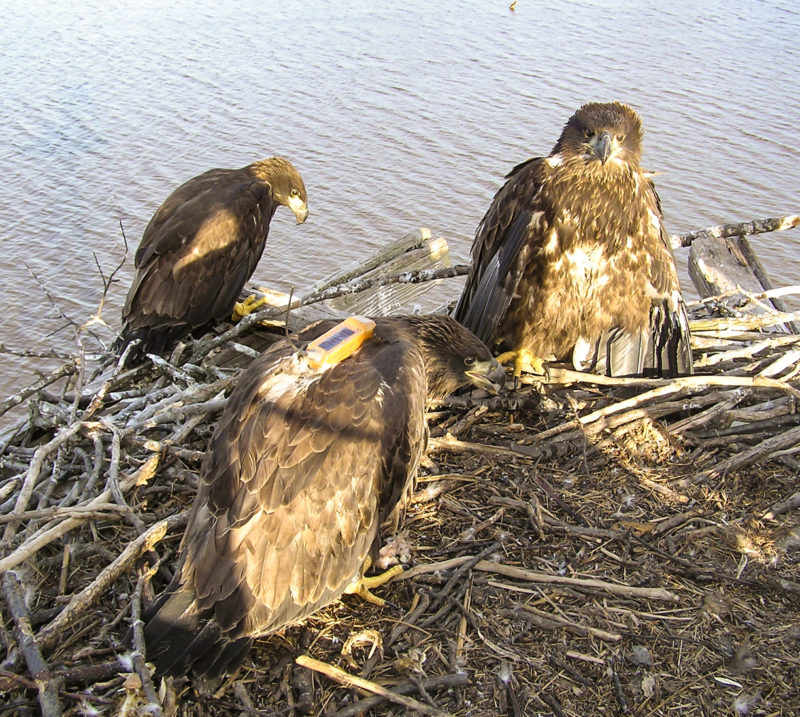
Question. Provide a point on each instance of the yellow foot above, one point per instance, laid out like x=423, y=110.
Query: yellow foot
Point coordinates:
x=362, y=587
x=248, y=306
x=524, y=360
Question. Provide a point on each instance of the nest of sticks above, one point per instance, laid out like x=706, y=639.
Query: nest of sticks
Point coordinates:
x=577, y=545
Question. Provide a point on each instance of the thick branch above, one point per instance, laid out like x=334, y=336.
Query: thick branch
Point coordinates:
x=757, y=226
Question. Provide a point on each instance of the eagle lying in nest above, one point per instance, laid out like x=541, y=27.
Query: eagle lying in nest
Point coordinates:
x=200, y=248
x=305, y=465
x=572, y=262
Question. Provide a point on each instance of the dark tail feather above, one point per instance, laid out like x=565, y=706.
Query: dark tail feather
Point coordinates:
x=179, y=639
x=662, y=349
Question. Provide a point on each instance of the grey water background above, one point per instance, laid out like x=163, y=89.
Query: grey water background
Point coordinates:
x=397, y=114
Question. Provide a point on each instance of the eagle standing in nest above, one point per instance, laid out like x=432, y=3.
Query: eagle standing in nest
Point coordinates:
x=201, y=246
x=572, y=261
x=304, y=466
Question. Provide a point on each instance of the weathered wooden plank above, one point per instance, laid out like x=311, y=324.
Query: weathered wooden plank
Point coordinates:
x=728, y=265
x=416, y=250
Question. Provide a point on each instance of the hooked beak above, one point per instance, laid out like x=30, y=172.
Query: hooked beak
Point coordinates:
x=602, y=144
x=299, y=207
x=488, y=375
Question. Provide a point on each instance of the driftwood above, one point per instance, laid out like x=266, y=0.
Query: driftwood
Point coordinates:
x=571, y=529
x=728, y=265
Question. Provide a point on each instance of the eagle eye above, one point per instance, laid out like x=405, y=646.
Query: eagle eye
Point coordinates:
x=295, y=193
x=620, y=137
x=588, y=133
x=469, y=361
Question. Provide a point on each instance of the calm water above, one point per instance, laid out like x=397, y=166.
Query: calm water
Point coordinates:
x=398, y=115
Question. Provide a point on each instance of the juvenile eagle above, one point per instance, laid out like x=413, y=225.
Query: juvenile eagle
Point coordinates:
x=200, y=247
x=572, y=261
x=304, y=466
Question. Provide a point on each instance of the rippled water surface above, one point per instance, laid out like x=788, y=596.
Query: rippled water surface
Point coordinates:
x=398, y=115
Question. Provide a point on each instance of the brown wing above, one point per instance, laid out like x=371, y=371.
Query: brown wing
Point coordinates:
x=300, y=473
x=198, y=251
x=503, y=234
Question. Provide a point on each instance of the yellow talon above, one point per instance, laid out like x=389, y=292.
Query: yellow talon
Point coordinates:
x=363, y=585
x=248, y=306
x=524, y=360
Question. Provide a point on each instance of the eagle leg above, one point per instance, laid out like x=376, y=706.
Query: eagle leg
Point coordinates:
x=524, y=360
x=248, y=306
x=363, y=585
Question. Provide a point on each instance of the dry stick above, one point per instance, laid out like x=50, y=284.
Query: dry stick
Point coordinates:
x=348, y=680
x=453, y=445
x=32, y=475
x=757, y=226
x=740, y=323
x=137, y=657
x=102, y=510
x=787, y=438
x=439, y=597
x=666, y=388
x=39, y=540
x=732, y=398
x=28, y=353
x=177, y=413
x=761, y=296
x=51, y=633
x=588, y=583
x=784, y=506
x=39, y=669
x=97, y=400
x=17, y=398
x=112, y=483
x=539, y=577
x=551, y=621
x=458, y=679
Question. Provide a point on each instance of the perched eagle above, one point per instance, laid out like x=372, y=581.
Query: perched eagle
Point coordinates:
x=304, y=466
x=572, y=261
x=200, y=247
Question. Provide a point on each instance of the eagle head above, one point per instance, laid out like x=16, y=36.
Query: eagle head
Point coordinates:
x=453, y=356
x=602, y=132
x=286, y=184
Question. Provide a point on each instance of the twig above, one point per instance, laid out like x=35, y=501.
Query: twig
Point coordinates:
x=49, y=296
x=665, y=388
x=348, y=680
x=39, y=669
x=458, y=679
x=787, y=438
x=620, y=695
x=32, y=475
x=9, y=403
x=38, y=541
x=585, y=583
x=550, y=621
x=29, y=353
x=49, y=635
x=101, y=510
x=137, y=657
x=440, y=596
x=511, y=571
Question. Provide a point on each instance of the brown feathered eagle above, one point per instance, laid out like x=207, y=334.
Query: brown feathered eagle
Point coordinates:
x=572, y=262
x=200, y=248
x=304, y=466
